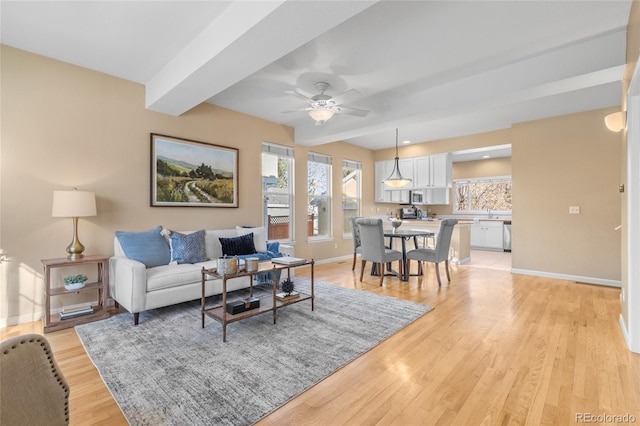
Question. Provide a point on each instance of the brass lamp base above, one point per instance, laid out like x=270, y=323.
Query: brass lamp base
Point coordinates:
x=76, y=248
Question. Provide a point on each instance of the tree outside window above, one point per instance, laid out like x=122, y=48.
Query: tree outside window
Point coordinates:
x=481, y=195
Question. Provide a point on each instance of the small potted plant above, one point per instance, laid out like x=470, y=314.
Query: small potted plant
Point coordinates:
x=74, y=282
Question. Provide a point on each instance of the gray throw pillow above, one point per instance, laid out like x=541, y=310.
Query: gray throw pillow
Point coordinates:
x=188, y=248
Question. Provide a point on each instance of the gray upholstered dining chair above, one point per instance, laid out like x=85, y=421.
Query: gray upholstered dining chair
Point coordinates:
x=357, y=246
x=373, y=247
x=33, y=390
x=438, y=254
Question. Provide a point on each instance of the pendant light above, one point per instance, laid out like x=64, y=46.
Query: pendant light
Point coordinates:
x=395, y=180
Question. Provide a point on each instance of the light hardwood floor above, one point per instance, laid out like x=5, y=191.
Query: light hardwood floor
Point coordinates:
x=497, y=349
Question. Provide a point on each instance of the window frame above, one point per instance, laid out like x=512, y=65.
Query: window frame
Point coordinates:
x=322, y=160
x=357, y=167
x=286, y=153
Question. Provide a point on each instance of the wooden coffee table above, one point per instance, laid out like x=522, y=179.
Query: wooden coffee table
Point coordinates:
x=267, y=304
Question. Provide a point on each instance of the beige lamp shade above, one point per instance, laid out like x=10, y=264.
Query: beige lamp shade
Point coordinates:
x=73, y=204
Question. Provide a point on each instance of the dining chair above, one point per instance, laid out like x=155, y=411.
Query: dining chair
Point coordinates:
x=357, y=246
x=438, y=254
x=33, y=390
x=373, y=247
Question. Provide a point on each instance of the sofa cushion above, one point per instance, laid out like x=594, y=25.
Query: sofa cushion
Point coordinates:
x=259, y=238
x=212, y=241
x=238, y=245
x=167, y=276
x=149, y=247
x=187, y=248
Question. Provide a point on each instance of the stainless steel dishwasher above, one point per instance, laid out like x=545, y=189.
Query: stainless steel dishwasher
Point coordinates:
x=506, y=236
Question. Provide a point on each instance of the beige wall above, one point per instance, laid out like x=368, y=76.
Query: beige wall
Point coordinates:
x=560, y=162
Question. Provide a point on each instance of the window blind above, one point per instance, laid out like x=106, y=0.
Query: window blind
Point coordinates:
x=281, y=150
x=352, y=164
x=319, y=158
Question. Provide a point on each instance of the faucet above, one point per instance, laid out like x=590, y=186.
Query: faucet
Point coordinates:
x=489, y=213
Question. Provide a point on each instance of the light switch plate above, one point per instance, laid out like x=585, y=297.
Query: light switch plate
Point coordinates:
x=574, y=209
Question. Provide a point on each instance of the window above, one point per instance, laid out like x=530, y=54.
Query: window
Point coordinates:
x=351, y=174
x=481, y=195
x=277, y=191
x=319, y=193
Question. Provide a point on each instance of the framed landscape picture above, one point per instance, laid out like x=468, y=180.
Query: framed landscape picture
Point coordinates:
x=186, y=173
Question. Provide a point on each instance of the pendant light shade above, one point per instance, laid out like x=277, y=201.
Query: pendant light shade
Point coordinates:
x=395, y=180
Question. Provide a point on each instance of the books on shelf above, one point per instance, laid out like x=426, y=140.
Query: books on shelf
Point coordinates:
x=67, y=313
x=289, y=260
x=284, y=296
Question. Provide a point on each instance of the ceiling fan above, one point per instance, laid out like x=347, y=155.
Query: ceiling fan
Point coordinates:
x=322, y=106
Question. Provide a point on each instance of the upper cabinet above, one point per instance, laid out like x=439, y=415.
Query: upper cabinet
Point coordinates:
x=433, y=171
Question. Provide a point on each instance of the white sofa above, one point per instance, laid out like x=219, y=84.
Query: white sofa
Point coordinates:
x=138, y=288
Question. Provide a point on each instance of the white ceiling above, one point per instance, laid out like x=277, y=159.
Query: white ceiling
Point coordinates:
x=433, y=69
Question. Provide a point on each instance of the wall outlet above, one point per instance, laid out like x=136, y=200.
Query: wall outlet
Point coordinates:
x=335, y=245
x=574, y=209
x=622, y=298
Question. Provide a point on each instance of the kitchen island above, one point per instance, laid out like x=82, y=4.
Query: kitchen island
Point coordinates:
x=460, y=252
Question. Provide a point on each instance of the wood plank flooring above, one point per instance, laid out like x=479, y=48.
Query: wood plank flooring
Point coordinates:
x=497, y=349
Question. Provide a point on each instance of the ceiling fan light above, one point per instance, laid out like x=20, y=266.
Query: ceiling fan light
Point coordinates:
x=320, y=115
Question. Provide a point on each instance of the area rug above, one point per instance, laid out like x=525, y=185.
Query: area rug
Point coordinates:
x=168, y=370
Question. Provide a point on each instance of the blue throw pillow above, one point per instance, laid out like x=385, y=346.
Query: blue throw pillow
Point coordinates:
x=149, y=247
x=238, y=245
x=187, y=248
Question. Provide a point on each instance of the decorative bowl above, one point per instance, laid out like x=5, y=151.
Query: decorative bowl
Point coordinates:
x=74, y=286
x=395, y=223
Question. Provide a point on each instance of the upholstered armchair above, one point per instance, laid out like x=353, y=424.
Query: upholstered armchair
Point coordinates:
x=33, y=390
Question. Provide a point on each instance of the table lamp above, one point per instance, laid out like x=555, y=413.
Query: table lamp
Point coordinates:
x=74, y=204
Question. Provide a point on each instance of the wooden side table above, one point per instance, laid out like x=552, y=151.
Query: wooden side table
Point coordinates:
x=99, y=311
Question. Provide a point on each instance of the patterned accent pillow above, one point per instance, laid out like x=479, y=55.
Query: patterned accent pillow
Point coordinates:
x=148, y=247
x=187, y=248
x=238, y=245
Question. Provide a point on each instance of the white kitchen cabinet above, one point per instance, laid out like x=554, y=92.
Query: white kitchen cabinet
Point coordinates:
x=487, y=234
x=432, y=171
x=381, y=172
x=436, y=196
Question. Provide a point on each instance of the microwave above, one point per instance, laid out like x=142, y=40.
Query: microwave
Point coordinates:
x=416, y=197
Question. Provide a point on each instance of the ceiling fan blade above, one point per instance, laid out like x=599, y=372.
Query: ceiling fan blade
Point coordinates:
x=352, y=111
x=297, y=110
x=300, y=93
x=346, y=96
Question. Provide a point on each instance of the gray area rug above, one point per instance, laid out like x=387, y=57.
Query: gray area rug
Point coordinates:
x=170, y=371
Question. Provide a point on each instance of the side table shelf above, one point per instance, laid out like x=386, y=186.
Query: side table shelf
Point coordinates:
x=99, y=312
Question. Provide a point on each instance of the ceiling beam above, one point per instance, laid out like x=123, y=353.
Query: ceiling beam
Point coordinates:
x=241, y=41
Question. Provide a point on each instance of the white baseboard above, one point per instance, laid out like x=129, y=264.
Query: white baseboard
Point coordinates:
x=577, y=278
x=21, y=319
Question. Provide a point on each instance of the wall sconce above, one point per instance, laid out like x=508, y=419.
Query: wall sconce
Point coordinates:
x=74, y=204
x=616, y=121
